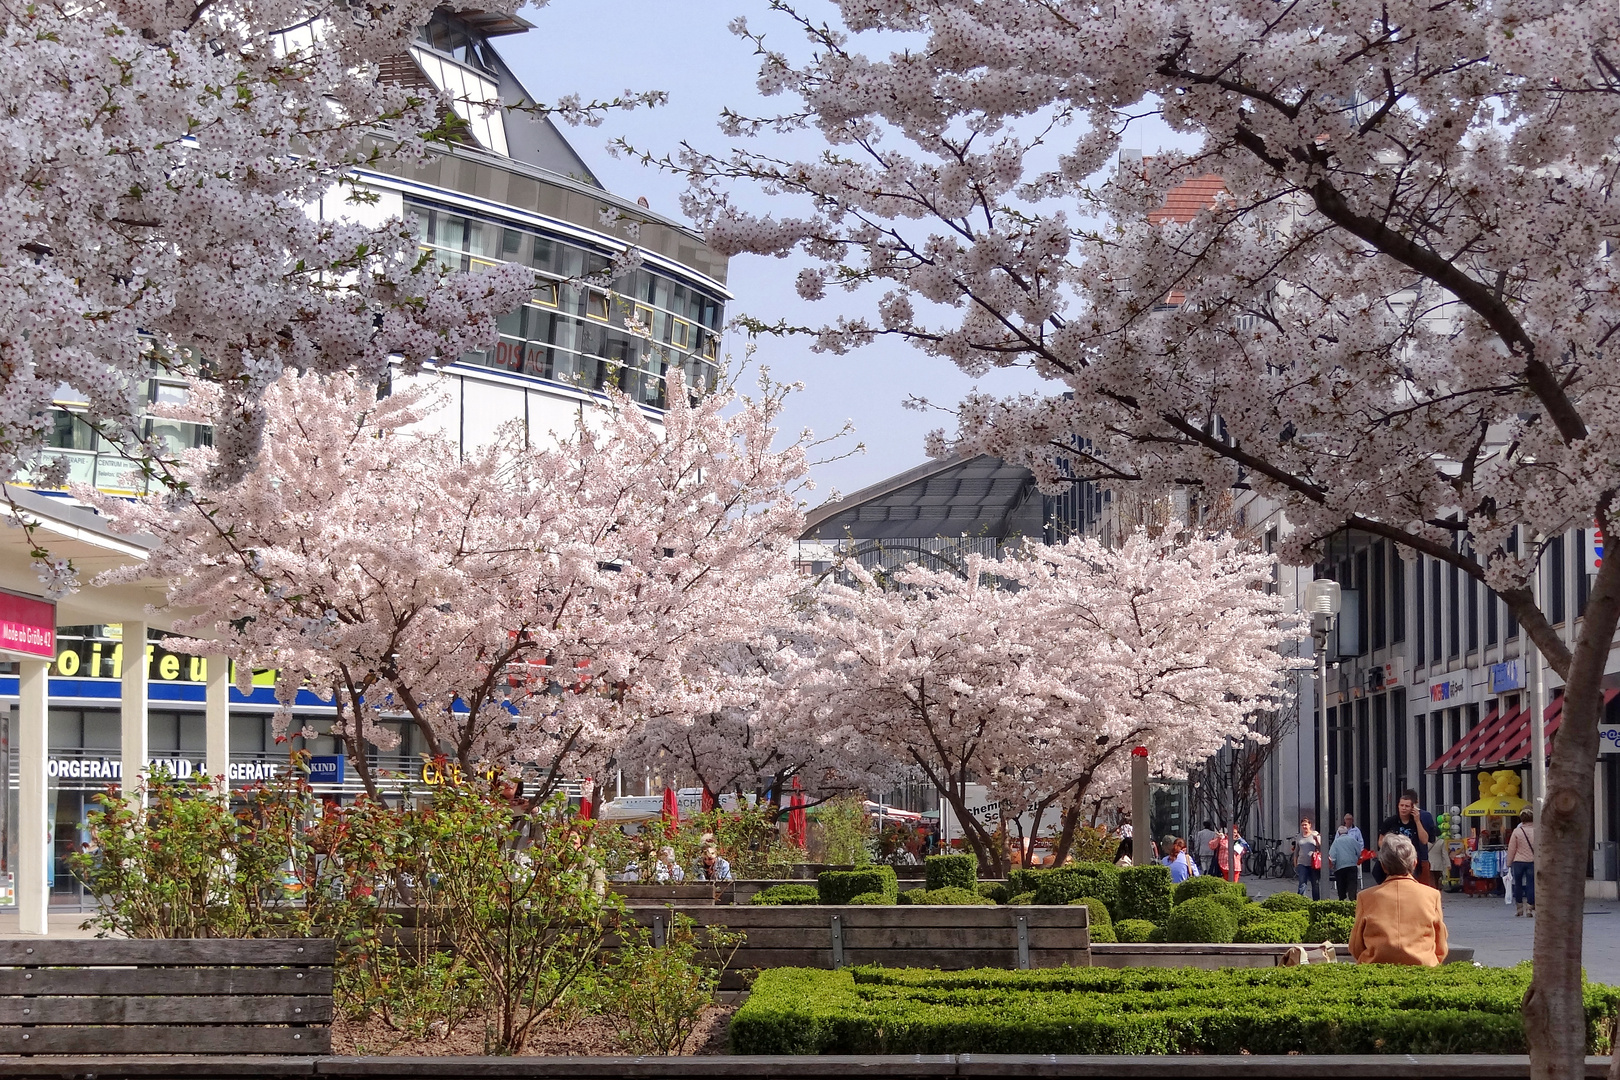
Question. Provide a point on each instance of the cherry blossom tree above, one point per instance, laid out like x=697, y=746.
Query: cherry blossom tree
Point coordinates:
x=1397, y=317
x=525, y=608
x=1036, y=676
x=161, y=164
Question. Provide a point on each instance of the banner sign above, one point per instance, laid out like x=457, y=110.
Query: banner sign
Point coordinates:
x=326, y=769
x=27, y=625
x=1507, y=676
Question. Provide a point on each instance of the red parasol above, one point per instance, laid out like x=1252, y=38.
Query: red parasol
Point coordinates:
x=585, y=791
x=796, y=825
x=708, y=800
x=672, y=809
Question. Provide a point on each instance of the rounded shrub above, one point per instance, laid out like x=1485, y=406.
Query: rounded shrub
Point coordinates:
x=951, y=871
x=787, y=894
x=1273, y=931
x=1330, y=927
x=1102, y=924
x=1196, y=887
x=1332, y=907
x=838, y=886
x=1202, y=919
x=994, y=891
x=1157, y=937
x=1022, y=898
x=870, y=898
x=1237, y=902
x=1285, y=901
x=1253, y=913
x=1134, y=931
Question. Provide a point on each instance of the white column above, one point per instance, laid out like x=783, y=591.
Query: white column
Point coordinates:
x=217, y=717
x=33, y=829
x=132, y=705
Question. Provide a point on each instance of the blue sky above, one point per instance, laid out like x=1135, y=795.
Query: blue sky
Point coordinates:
x=599, y=48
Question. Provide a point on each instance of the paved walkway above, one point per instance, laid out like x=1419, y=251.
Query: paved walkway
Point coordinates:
x=1501, y=940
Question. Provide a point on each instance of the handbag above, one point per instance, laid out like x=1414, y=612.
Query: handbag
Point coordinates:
x=1316, y=860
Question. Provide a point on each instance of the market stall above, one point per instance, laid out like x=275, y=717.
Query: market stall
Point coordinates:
x=1495, y=812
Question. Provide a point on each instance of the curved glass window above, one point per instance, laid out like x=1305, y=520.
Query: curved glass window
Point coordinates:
x=584, y=334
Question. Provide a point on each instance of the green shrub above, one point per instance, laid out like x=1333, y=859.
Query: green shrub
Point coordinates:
x=1286, y=901
x=1276, y=930
x=1066, y=883
x=1204, y=919
x=1102, y=924
x=949, y=895
x=1022, y=898
x=1327, y=926
x=1253, y=913
x=787, y=894
x=872, y=898
x=1316, y=1009
x=1233, y=901
x=1196, y=887
x=951, y=871
x=839, y=886
x=1144, y=893
x=1134, y=931
x=1332, y=907
x=657, y=994
x=994, y=891
x=1157, y=937
x=1020, y=880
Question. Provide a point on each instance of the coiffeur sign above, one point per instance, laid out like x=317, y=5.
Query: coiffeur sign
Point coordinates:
x=27, y=625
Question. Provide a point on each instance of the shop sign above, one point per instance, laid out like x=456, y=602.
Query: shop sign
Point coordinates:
x=27, y=625
x=326, y=769
x=103, y=658
x=83, y=768
x=1608, y=739
x=1506, y=676
x=1445, y=691
x=1594, y=551
x=8, y=889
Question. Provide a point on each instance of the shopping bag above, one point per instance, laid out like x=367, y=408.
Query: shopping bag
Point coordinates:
x=1316, y=860
x=1507, y=885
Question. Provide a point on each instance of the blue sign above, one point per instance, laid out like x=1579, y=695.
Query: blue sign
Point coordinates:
x=1506, y=676
x=327, y=769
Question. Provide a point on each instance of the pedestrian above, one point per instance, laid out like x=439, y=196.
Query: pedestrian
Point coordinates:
x=1231, y=869
x=1124, y=849
x=1202, y=845
x=1344, y=858
x=1418, y=826
x=1308, y=859
x=1399, y=921
x=1521, y=857
x=1180, y=863
x=1355, y=832
x=668, y=871
x=711, y=866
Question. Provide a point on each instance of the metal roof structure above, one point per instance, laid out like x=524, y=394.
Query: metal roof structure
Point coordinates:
x=980, y=496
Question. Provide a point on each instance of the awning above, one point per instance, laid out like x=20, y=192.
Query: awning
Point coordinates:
x=1472, y=740
x=1503, y=741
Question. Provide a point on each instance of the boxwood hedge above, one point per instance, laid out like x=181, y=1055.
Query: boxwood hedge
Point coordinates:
x=951, y=871
x=1134, y=931
x=1144, y=893
x=840, y=886
x=787, y=894
x=1102, y=924
x=1315, y=1009
x=1208, y=885
x=948, y=895
x=1204, y=919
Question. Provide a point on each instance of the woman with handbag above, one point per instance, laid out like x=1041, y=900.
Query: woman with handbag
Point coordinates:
x=1308, y=859
x=1521, y=860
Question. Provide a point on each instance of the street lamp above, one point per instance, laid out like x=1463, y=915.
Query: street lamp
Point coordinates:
x=1322, y=603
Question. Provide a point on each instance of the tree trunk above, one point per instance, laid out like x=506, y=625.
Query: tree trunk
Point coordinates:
x=1554, y=1015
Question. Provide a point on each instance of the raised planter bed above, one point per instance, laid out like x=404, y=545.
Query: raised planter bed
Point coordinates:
x=832, y=937
x=1210, y=957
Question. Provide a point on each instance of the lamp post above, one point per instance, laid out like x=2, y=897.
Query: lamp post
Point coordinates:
x=1322, y=602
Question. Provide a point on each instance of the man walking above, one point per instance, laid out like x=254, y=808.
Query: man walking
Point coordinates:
x=1417, y=826
x=1202, y=843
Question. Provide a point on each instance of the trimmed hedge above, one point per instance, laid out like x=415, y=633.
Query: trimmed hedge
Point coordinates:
x=951, y=871
x=1314, y=1009
x=1022, y=898
x=867, y=898
x=1102, y=924
x=1286, y=901
x=1134, y=931
x=787, y=894
x=1204, y=919
x=1280, y=929
x=994, y=891
x=949, y=895
x=1327, y=926
x=1196, y=887
x=1066, y=883
x=1144, y=893
x=841, y=886
x=1332, y=907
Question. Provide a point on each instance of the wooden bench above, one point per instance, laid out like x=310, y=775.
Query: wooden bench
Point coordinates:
x=191, y=996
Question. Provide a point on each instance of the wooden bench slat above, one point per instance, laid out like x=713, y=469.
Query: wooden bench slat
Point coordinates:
x=166, y=1010
x=165, y=1040
x=237, y=952
x=159, y=1067
x=147, y=981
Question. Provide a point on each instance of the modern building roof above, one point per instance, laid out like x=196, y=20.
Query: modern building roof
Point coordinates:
x=955, y=496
